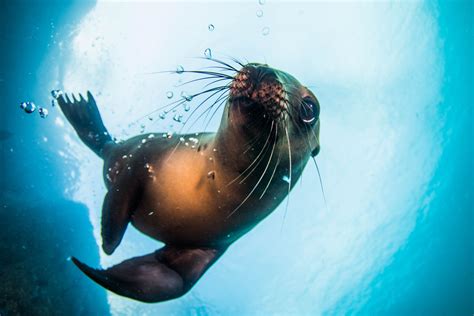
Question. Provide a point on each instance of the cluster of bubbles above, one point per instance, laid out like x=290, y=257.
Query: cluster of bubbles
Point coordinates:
x=177, y=117
x=193, y=141
x=259, y=13
x=30, y=107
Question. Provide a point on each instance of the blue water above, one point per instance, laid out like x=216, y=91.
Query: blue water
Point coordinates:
x=395, y=85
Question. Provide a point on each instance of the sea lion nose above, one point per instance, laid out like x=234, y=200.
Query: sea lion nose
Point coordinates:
x=260, y=72
x=268, y=89
x=261, y=85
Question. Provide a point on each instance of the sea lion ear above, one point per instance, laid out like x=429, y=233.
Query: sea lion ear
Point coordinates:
x=315, y=151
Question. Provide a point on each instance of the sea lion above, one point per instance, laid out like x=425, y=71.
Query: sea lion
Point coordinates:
x=198, y=193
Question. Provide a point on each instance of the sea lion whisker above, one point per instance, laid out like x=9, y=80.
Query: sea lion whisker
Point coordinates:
x=235, y=60
x=218, y=61
x=214, y=113
x=207, y=109
x=321, y=183
x=259, y=180
x=221, y=68
x=158, y=109
x=215, y=81
x=177, y=103
x=315, y=163
x=289, y=176
x=202, y=72
x=178, y=143
x=209, y=90
x=255, y=159
x=173, y=151
x=200, y=79
x=274, y=168
x=221, y=97
x=252, y=142
x=210, y=73
x=260, y=159
x=319, y=174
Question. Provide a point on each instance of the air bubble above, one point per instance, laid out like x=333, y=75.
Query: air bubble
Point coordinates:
x=265, y=31
x=162, y=115
x=179, y=69
x=261, y=2
x=211, y=27
x=43, y=112
x=208, y=53
x=259, y=13
x=187, y=107
x=169, y=94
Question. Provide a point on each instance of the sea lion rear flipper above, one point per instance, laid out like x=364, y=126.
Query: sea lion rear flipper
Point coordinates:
x=163, y=275
x=84, y=116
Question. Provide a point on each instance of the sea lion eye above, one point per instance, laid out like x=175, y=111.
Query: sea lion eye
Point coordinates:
x=309, y=110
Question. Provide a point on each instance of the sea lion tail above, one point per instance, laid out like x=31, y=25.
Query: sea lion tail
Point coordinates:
x=84, y=116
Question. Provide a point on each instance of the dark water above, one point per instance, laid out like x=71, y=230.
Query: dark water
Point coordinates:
x=398, y=238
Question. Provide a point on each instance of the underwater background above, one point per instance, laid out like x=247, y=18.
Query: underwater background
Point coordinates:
x=394, y=80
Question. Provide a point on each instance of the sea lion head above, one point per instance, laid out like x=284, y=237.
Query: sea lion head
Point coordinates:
x=265, y=100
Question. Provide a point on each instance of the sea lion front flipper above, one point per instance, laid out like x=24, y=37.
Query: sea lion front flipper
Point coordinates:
x=163, y=275
x=119, y=204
